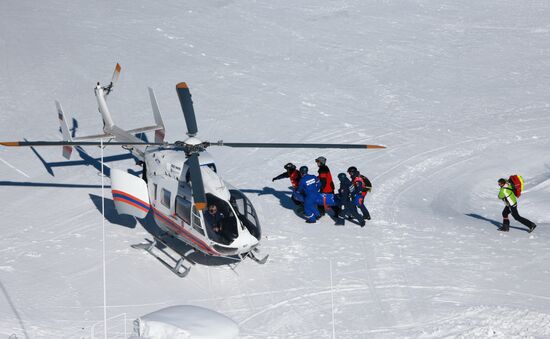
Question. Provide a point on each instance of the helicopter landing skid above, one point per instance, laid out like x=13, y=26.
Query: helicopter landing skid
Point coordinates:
x=252, y=256
x=178, y=266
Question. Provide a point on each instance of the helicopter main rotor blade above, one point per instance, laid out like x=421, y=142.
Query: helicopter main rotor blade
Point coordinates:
x=187, y=107
x=73, y=143
x=196, y=181
x=293, y=145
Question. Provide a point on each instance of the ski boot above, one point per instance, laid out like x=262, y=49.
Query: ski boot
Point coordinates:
x=505, y=226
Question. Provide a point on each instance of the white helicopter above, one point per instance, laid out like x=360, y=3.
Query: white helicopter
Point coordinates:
x=179, y=181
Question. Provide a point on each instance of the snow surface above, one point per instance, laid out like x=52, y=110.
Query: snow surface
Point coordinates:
x=184, y=321
x=458, y=91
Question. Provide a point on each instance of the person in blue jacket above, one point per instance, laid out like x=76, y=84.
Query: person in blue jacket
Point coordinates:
x=309, y=187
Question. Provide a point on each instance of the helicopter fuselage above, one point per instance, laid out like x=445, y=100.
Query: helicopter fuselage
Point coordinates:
x=171, y=199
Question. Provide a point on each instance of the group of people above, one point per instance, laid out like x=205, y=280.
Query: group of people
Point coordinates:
x=316, y=193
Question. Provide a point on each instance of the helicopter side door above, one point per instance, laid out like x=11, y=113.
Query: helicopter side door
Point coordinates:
x=130, y=194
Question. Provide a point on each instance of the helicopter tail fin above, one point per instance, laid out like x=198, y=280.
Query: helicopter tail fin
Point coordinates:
x=159, y=130
x=67, y=150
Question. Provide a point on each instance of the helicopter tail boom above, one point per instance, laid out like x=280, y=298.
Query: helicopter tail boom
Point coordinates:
x=119, y=134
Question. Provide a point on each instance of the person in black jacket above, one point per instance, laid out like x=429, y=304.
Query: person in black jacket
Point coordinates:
x=214, y=224
x=361, y=186
x=348, y=207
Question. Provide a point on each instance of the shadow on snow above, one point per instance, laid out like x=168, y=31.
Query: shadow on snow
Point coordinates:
x=494, y=222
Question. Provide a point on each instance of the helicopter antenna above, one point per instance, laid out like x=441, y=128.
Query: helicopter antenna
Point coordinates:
x=103, y=243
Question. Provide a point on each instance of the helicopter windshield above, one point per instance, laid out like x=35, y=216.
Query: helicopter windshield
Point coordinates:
x=245, y=212
x=212, y=166
x=220, y=220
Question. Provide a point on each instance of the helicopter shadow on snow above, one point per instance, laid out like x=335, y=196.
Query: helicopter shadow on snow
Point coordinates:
x=86, y=159
x=494, y=222
x=283, y=196
x=111, y=215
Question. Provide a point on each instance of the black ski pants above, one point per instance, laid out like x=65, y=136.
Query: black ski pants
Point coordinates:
x=349, y=209
x=514, y=211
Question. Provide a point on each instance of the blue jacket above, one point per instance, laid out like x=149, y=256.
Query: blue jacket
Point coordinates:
x=309, y=184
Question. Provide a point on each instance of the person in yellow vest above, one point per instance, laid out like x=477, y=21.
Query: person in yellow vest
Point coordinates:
x=507, y=195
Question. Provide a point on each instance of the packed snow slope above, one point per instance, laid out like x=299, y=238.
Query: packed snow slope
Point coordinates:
x=458, y=92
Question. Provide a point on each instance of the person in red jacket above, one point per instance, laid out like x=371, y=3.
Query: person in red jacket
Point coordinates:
x=361, y=186
x=294, y=175
x=325, y=178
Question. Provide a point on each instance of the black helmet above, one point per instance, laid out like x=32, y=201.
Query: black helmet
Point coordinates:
x=290, y=167
x=342, y=176
x=303, y=170
x=321, y=160
x=502, y=181
x=352, y=169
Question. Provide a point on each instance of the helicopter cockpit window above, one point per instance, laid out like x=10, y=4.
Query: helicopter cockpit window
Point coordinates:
x=165, y=199
x=246, y=213
x=220, y=220
x=188, y=173
x=212, y=167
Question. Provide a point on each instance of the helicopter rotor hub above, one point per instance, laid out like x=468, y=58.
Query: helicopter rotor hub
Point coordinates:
x=192, y=145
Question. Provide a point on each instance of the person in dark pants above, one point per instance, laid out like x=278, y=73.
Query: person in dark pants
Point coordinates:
x=325, y=179
x=309, y=188
x=347, y=206
x=294, y=175
x=507, y=195
x=361, y=186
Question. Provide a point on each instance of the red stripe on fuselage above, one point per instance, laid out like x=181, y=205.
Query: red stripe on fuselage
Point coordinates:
x=131, y=197
x=131, y=203
x=180, y=230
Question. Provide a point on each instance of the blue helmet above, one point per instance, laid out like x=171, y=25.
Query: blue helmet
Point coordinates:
x=342, y=176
